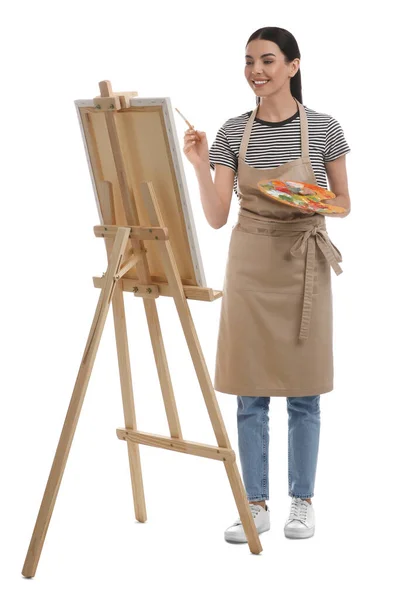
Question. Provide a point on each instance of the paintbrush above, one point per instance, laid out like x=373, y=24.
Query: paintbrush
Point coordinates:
x=188, y=123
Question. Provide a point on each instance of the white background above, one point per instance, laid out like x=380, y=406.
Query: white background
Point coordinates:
x=54, y=53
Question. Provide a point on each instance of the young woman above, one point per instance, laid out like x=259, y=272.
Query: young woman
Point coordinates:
x=275, y=336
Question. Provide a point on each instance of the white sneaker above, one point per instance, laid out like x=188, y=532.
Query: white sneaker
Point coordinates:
x=301, y=521
x=236, y=533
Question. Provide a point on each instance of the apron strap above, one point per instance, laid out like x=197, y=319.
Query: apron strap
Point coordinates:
x=304, y=131
x=246, y=134
x=333, y=257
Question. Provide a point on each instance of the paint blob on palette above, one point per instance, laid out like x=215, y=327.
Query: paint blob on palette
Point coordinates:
x=298, y=194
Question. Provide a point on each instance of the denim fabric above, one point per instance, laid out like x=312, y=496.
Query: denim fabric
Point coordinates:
x=303, y=444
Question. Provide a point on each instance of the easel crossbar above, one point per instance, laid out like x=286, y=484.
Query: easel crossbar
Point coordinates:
x=192, y=292
x=161, y=441
x=137, y=232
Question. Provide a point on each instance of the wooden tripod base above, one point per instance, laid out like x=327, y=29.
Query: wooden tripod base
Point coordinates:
x=112, y=292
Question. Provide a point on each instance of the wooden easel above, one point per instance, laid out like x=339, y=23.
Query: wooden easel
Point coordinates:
x=125, y=248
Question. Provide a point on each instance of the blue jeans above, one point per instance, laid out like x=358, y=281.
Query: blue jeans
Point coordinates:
x=303, y=444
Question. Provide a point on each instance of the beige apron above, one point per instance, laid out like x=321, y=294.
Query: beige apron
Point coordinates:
x=276, y=332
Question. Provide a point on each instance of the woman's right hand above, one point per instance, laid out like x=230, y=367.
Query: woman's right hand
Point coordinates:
x=196, y=147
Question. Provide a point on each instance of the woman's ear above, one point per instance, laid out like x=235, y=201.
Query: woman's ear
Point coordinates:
x=296, y=65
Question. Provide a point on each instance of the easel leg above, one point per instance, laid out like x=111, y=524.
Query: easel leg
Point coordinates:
x=124, y=364
x=215, y=414
x=128, y=403
x=73, y=413
x=161, y=362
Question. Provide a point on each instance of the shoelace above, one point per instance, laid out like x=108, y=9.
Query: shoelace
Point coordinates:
x=298, y=510
x=255, y=508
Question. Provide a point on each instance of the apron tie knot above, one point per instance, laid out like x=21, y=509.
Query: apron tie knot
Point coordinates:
x=315, y=229
x=333, y=256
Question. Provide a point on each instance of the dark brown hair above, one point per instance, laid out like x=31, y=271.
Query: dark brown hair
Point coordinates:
x=288, y=45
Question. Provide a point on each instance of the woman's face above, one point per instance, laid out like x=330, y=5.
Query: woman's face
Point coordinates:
x=265, y=61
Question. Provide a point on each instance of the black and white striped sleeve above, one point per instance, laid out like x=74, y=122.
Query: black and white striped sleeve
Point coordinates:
x=336, y=144
x=221, y=153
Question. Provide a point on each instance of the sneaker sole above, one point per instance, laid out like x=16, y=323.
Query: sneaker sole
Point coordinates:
x=237, y=539
x=300, y=534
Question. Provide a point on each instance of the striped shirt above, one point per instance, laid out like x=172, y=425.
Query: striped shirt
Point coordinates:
x=272, y=144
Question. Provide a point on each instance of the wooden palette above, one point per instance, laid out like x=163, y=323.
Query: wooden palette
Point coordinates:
x=299, y=194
